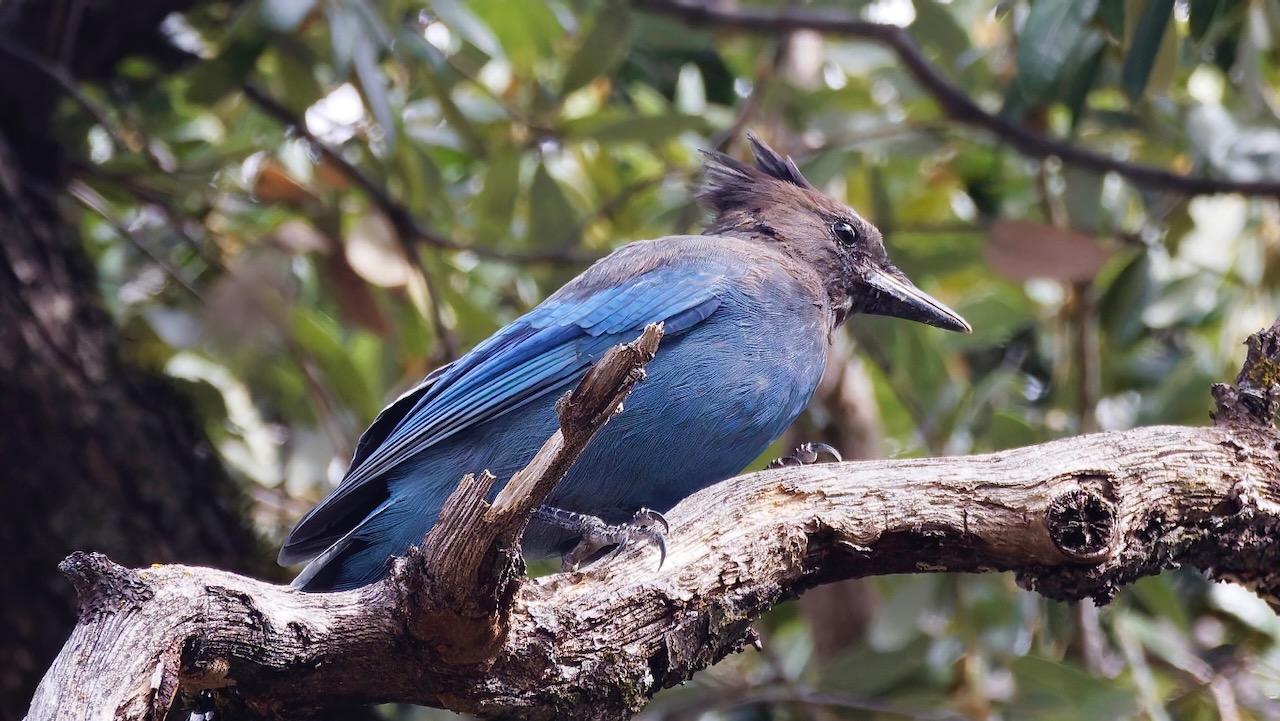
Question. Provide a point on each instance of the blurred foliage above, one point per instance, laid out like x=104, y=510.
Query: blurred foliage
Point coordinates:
x=531, y=137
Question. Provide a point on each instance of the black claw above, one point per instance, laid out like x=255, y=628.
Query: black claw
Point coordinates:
x=649, y=518
x=805, y=454
x=647, y=525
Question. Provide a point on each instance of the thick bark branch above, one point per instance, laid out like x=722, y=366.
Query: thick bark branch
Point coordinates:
x=1072, y=518
x=456, y=626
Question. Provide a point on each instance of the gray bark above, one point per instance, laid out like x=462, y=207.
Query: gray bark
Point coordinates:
x=457, y=626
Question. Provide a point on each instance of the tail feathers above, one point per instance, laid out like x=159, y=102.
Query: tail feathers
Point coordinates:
x=351, y=561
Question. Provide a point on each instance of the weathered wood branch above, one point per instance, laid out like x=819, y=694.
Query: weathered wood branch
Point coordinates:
x=1073, y=518
x=459, y=585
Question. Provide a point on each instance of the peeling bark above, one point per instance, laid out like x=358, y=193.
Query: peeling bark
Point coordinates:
x=456, y=625
x=1074, y=518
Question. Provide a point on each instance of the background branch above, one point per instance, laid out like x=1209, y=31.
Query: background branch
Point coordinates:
x=955, y=103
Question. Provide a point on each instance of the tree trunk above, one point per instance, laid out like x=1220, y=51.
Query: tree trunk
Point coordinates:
x=97, y=454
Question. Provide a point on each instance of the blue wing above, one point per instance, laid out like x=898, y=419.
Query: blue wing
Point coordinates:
x=547, y=348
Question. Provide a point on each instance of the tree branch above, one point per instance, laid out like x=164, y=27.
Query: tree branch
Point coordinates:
x=955, y=103
x=457, y=626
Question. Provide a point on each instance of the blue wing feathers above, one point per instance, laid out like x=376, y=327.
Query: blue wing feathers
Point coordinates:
x=546, y=349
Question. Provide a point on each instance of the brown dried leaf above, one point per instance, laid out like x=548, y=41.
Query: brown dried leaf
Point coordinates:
x=274, y=185
x=1021, y=250
x=330, y=176
x=355, y=299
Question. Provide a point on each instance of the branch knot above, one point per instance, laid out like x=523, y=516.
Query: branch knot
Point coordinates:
x=104, y=586
x=1082, y=525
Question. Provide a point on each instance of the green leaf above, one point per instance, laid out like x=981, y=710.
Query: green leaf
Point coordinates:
x=210, y=81
x=496, y=201
x=319, y=337
x=996, y=312
x=1160, y=597
x=1144, y=46
x=1009, y=431
x=1112, y=14
x=1083, y=197
x=867, y=673
x=284, y=16
x=298, y=87
x=1053, y=30
x=344, y=32
x=552, y=220
x=898, y=620
x=527, y=31
x=601, y=50
x=424, y=184
x=1204, y=14
x=1053, y=690
x=1125, y=300
x=639, y=128
x=459, y=18
x=936, y=26
x=1084, y=71
x=365, y=56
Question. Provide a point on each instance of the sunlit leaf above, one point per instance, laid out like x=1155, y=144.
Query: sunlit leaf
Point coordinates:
x=527, y=31
x=461, y=20
x=374, y=252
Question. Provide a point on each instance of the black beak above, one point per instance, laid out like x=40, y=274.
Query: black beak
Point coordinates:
x=888, y=292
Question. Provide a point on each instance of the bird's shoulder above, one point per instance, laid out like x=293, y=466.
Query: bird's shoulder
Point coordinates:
x=723, y=262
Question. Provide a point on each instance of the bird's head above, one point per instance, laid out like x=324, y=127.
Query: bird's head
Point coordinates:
x=773, y=203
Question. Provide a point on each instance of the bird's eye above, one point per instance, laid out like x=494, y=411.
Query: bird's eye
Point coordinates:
x=844, y=232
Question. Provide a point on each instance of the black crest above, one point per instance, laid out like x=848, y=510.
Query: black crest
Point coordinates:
x=731, y=183
x=781, y=167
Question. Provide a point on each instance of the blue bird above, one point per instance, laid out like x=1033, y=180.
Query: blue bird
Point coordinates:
x=749, y=308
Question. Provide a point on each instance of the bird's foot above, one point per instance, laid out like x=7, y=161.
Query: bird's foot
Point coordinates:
x=805, y=454
x=594, y=534
x=205, y=709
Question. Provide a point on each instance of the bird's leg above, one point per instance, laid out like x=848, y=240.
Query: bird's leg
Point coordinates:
x=594, y=534
x=804, y=454
x=205, y=708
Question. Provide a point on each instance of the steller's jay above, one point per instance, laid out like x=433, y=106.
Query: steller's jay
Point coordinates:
x=749, y=308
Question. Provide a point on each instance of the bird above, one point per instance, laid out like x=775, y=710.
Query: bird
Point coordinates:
x=748, y=307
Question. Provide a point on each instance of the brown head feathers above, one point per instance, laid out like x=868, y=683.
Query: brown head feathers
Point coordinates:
x=821, y=239
x=748, y=199
x=731, y=183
